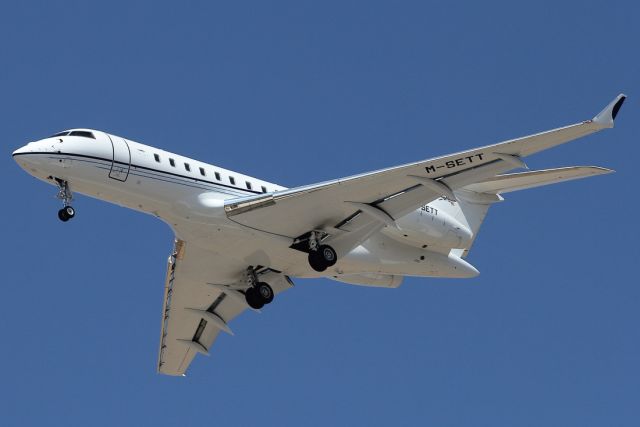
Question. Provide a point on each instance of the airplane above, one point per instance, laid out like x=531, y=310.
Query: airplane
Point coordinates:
x=239, y=240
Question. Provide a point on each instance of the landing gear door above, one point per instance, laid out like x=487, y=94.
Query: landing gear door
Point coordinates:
x=121, y=159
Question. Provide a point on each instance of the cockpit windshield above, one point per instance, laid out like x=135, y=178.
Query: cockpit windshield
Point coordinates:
x=65, y=133
x=82, y=133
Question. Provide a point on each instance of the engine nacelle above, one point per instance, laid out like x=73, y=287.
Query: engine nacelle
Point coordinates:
x=432, y=227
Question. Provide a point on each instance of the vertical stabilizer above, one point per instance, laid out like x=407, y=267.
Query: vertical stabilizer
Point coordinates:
x=471, y=210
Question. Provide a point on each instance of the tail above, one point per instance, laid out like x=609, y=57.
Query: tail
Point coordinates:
x=475, y=199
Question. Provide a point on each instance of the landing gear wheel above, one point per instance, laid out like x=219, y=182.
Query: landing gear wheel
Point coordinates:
x=70, y=211
x=265, y=292
x=66, y=213
x=328, y=255
x=254, y=299
x=316, y=262
x=322, y=258
x=64, y=194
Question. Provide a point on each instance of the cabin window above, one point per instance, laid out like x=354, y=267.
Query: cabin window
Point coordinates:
x=172, y=162
x=232, y=180
x=157, y=157
x=248, y=185
x=202, y=172
x=82, y=133
x=187, y=167
x=264, y=189
x=217, y=174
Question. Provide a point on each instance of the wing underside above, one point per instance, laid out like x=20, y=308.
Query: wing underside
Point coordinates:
x=197, y=308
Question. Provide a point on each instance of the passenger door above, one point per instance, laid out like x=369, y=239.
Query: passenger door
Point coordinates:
x=121, y=161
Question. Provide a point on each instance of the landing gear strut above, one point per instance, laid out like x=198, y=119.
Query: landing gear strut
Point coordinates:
x=258, y=293
x=64, y=194
x=320, y=257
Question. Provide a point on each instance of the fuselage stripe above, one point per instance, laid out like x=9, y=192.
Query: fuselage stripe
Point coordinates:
x=151, y=172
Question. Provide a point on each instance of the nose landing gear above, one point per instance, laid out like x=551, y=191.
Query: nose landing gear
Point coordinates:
x=65, y=194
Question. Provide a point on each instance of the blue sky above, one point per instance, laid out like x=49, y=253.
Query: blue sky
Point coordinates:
x=298, y=92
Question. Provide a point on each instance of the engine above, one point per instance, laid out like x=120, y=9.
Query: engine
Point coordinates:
x=430, y=226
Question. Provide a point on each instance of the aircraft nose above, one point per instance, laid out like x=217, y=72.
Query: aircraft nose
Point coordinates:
x=30, y=158
x=24, y=159
x=21, y=150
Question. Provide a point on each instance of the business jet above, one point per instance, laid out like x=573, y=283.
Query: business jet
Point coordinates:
x=240, y=239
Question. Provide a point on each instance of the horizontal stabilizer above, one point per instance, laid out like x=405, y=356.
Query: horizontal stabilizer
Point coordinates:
x=523, y=180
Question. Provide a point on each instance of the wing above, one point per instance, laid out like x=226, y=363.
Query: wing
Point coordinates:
x=353, y=203
x=197, y=307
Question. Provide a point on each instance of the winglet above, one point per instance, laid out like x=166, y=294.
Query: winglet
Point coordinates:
x=606, y=117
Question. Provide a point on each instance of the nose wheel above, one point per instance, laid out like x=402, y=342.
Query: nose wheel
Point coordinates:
x=65, y=194
x=66, y=213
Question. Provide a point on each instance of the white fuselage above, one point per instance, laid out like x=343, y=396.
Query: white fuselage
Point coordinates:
x=189, y=195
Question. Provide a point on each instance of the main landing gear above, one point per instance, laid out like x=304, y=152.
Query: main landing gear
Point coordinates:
x=258, y=293
x=320, y=257
x=64, y=193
